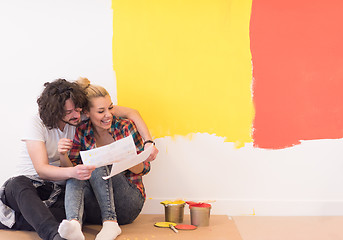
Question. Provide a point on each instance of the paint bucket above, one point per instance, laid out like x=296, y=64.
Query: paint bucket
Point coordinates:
x=200, y=214
x=174, y=211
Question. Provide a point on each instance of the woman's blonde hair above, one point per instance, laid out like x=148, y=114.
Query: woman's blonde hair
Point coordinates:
x=91, y=90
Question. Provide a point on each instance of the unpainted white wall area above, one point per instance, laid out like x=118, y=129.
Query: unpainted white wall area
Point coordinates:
x=42, y=40
x=304, y=180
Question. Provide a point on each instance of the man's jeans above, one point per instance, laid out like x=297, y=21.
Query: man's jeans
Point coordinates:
x=31, y=214
x=103, y=190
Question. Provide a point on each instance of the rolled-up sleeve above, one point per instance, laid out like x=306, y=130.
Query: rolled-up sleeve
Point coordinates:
x=74, y=154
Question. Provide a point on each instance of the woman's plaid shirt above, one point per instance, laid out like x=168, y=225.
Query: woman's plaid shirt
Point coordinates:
x=84, y=140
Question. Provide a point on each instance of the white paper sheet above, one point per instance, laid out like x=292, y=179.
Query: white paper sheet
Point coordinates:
x=121, y=154
x=106, y=155
x=118, y=167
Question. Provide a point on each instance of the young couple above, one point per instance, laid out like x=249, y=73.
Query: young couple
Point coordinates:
x=34, y=200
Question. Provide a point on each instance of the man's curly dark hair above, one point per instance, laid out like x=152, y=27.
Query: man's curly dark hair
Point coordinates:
x=52, y=100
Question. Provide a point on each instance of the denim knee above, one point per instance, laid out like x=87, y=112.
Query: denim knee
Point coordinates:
x=19, y=182
x=15, y=186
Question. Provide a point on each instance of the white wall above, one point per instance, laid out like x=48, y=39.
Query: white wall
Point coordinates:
x=42, y=40
x=303, y=180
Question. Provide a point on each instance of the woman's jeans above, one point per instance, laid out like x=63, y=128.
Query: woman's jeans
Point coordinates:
x=31, y=214
x=103, y=190
x=128, y=201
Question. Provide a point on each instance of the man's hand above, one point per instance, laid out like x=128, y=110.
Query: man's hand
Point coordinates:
x=64, y=145
x=83, y=172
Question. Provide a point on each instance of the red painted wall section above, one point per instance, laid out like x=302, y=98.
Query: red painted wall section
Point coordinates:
x=297, y=55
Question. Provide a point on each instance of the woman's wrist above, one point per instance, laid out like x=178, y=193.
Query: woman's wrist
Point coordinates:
x=148, y=141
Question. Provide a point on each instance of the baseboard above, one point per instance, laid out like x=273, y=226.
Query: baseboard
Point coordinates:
x=261, y=207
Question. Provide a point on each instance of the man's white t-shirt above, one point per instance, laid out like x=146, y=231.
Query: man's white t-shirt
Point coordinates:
x=36, y=130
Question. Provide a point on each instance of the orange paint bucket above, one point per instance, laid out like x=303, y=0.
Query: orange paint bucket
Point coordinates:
x=200, y=213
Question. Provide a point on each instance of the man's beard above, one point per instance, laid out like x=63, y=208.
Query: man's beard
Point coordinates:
x=70, y=122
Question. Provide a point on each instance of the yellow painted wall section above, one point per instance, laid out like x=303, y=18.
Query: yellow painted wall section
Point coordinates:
x=185, y=65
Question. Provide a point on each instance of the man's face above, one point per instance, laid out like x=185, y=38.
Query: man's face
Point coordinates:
x=72, y=115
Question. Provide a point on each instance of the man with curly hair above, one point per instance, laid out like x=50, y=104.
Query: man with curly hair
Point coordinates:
x=34, y=200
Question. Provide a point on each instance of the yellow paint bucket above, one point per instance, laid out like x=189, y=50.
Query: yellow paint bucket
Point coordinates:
x=174, y=211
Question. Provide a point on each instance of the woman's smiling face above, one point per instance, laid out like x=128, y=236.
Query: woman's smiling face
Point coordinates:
x=100, y=112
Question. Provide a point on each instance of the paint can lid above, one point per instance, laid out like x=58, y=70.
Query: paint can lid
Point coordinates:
x=185, y=227
x=176, y=202
x=201, y=205
x=164, y=224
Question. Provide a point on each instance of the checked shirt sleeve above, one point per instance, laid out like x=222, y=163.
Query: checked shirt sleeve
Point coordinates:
x=74, y=154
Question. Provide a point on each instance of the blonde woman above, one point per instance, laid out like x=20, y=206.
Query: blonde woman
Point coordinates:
x=119, y=198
